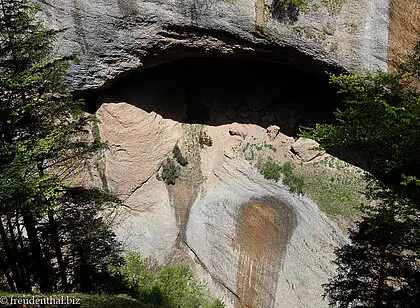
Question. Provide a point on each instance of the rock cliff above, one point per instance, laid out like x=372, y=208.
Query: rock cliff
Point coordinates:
x=255, y=242
x=116, y=36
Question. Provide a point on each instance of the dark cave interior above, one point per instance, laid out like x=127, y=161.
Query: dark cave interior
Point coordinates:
x=216, y=91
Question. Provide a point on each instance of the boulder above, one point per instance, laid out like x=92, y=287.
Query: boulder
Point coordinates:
x=236, y=129
x=306, y=149
x=273, y=131
x=134, y=153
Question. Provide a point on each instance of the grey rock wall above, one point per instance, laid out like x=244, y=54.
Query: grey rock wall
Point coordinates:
x=117, y=36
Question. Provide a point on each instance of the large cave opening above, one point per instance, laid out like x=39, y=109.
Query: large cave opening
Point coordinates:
x=216, y=91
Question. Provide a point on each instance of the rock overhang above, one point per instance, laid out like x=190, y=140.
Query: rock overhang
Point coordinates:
x=116, y=38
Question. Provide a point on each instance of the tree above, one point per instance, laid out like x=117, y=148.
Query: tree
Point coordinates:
x=381, y=119
x=43, y=143
x=380, y=268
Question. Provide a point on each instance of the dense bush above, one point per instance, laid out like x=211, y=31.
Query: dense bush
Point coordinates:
x=172, y=286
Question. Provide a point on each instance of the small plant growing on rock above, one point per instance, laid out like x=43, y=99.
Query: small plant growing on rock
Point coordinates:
x=204, y=139
x=295, y=183
x=328, y=29
x=170, y=171
x=95, y=128
x=333, y=6
x=271, y=170
x=178, y=156
x=302, y=4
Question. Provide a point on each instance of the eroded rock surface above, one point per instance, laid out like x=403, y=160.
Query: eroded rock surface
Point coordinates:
x=116, y=36
x=251, y=239
x=138, y=142
x=268, y=247
x=256, y=243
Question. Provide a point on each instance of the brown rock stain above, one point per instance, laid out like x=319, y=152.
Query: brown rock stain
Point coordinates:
x=183, y=197
x=263, y=232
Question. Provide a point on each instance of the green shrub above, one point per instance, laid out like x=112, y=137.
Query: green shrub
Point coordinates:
x=170, y=171
x=173, y=286
x=333, y=6
x=328, y=29
x=334, y=46
x=271, y=170
x=204, y=139
x=178, y=156
x=294, y=182
x=302, y=4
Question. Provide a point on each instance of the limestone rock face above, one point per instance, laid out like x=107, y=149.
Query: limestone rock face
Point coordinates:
x=259, y=245
x=251, y=239
x=116, y=36
x=267, y=246
x=138, y=143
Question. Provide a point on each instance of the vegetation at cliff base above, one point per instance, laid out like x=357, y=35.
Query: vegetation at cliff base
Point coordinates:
x=171, y=286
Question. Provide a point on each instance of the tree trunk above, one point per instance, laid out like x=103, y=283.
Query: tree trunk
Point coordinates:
x=9, y=280
x=57, y=246
x=9, y=257
x=381, y=278
x=23, y=261
x=16, y=255
x=41, y=267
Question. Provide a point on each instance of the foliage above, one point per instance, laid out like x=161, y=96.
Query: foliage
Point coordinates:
x=172, y=286
x=43, y=144
x=380, y=118
x=178, y=156
x=271, y=170
x=302, y=4
x=380, y=268
x=335, y=186
x=95, y=128
x=88, y=236
x=170, y=171
x=334, y=46
x=328, y=29
x=294, y=182
x=333, y=6
x=204, y=139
